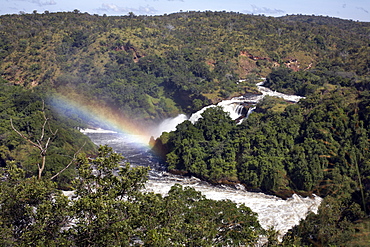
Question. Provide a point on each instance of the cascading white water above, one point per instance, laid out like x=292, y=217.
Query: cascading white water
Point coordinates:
x=266, y=91
x=239, y=109
x=195, y=116
x=169, y=125
x=272, y=211
x=250, y=110
x=233, y=106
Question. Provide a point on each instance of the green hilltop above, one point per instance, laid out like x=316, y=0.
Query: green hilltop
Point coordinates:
x=152, y=67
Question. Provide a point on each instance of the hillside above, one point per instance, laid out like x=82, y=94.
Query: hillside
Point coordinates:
x=152, y=67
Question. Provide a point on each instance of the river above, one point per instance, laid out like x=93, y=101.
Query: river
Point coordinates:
x=273, y=212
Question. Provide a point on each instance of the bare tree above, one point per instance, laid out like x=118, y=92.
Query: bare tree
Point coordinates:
x=69, y=164
x=43, y=144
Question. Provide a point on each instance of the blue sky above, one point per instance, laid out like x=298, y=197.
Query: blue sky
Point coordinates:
x=345, y=9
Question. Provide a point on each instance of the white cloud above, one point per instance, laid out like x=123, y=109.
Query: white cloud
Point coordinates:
x=41, y=2
x=264, y=10
x=105, y=7
x=111, y=7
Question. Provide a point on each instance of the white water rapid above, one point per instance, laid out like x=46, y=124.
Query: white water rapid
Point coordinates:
x=266, y=91
x=272, y=211
x=234, y=107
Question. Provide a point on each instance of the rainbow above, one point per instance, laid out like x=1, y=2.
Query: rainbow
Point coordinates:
x=99, y=112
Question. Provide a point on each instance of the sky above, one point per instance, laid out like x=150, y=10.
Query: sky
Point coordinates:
x=357, y=10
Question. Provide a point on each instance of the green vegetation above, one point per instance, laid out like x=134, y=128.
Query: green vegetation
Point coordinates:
x=319, y=145
x=38, y=124
x=107, y=209
x=151, y=67
x=312, y=146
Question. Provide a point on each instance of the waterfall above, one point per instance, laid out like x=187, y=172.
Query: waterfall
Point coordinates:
x=272, y=211
x=235, y=108
x=169, y=124
x=195, y=116
x=250, y=110
x=239, y=109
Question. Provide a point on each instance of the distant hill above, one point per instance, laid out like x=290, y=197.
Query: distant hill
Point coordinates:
x=152, y=67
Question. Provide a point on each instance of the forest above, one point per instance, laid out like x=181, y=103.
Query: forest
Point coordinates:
x=149, y=68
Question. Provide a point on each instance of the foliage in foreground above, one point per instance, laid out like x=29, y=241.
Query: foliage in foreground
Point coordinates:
x=108, y=209
x=335, y=225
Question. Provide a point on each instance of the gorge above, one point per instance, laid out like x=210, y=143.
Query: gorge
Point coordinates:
x=273, y=212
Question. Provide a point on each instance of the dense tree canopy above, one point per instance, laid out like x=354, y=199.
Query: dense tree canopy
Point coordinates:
x=108, y=209
x=37, y=123
x=319, y=145
x=152, y=67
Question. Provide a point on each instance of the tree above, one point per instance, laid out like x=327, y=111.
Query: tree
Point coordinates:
x=332, y=226
x=131, y=14
x=33, y=212
x=43, y=142
x=107, y=208
x=185, y=217
x=40, y=143
x=104, y=201
x=205, y=149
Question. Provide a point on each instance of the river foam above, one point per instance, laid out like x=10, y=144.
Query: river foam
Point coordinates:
x=273, y=212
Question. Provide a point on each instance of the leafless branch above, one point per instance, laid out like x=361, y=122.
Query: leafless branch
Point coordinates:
x=43, y=145
x=53, y=133
x=70, y=163
x=40, y=144
x=23, y=136
x=43, y=128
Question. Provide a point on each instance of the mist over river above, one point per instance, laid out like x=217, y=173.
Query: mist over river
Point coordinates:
x=272, y=211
